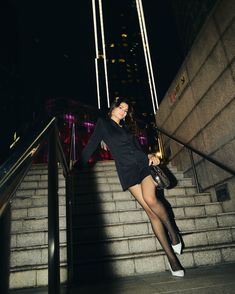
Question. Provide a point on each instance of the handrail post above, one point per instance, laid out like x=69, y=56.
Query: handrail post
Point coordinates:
x=69, y=231
x=72, y=153
x=53, y=217
x=194, y=171
x=161, y=146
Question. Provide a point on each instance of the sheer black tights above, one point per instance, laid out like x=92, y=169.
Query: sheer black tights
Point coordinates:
x=145, y=194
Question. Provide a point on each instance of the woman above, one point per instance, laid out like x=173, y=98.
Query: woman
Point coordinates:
x=134, y=174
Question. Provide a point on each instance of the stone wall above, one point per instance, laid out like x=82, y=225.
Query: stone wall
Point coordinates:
x=199, y=106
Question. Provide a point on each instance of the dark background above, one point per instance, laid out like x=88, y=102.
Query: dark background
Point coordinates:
x=47, y=51
x=50, y=45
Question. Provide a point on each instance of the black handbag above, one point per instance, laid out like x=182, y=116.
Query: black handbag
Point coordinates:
x=160, y=178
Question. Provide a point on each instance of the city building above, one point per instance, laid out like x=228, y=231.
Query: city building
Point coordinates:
x=125, y=56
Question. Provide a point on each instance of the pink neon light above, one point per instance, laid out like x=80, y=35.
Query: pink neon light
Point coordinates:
x=88, y=125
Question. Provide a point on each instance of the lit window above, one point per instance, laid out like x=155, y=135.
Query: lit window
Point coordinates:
x=124, y=35
x=113, y=60
x=112, y=45
x=122, y=60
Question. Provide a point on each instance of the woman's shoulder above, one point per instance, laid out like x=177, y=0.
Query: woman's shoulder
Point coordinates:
x=102, y=123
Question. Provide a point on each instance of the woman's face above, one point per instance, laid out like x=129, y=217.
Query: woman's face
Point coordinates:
x=120, y=111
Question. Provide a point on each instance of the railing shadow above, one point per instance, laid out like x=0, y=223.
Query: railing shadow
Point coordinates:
x=89, y=250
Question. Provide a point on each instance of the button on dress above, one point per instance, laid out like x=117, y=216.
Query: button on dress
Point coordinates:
x=131, y=162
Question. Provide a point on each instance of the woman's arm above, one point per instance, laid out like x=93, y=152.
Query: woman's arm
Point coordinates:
x=153, y=159
x=92, y=144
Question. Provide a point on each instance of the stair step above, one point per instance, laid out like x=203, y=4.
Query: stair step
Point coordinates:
x=142, y=263
x=112, y=206
x=37, y=224
x=209, y=237
x=37, y=276
x=129, y=226
x=198, y=210
x=99, y=167
x=42, y=169
x=28, y=185
x=34, y=255
x=112, y=234
x=102, y=232
x=104, y=177
x=33, y=276
x=184, y=223
x=33, y=238
x=38, y=255
x=37, y=192
x=124, y=196
x=131, y=214
x=99, y=181
x=34, y=201
x=147, y=243
x=22, y=241
x=123, y=205
x=92, y=188
x=40, y=177
x=205, y=222
x=189, y=190
x=97, y=172
x=102, y=188
x=34, y=212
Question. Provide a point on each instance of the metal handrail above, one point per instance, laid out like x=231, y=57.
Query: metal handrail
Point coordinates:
x=192, y=150
x=72, y=147
x=25, y=158
x=15, y=175
x=205, y=156
x=27, y=153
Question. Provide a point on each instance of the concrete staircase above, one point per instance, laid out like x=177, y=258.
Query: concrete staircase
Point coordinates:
x=29, y=224
x=112, y=235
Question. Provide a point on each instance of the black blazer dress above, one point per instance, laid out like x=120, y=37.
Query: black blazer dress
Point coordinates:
x=131, y=162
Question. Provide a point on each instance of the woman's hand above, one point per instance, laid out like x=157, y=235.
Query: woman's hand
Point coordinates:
x=153, y=159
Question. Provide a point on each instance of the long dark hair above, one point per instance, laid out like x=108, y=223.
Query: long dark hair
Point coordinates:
x=129, y=122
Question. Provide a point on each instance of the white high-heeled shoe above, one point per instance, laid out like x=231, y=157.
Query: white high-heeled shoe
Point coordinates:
x=178, y=247
x=179, y=273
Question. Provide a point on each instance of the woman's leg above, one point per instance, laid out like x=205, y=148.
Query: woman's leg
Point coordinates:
x=157, y=226
x=150, y=197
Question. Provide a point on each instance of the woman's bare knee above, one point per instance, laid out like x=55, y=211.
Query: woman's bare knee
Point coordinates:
x=149, y=192
x=136, y=191
x=150, y=200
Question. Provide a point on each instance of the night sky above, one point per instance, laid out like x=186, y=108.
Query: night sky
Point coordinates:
x=55, y=46
x=48, y=51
